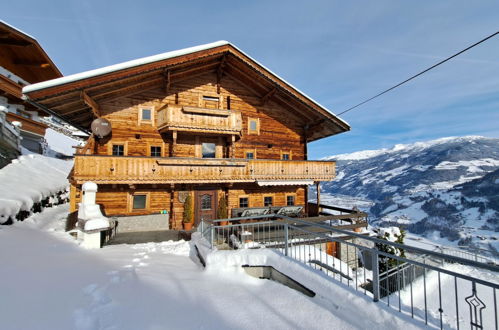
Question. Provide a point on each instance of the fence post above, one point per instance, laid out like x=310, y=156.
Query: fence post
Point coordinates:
x=286, y=239
x=375, y=270
x=212, y=235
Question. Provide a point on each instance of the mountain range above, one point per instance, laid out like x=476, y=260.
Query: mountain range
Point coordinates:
x=442, y=189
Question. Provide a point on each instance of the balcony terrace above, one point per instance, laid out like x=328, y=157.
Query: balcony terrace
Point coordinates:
x=200, y=120
x=153, y=170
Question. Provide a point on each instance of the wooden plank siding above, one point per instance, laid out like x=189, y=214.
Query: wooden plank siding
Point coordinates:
x=279, y=130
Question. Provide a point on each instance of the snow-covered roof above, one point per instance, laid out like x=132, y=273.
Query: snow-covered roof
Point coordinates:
x=152, y=59
x=17, y=29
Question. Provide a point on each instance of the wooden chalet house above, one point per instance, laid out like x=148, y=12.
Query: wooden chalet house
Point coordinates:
x=23, y=62
x=205, y=121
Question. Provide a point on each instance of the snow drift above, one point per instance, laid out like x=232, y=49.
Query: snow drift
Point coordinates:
x=29, y=180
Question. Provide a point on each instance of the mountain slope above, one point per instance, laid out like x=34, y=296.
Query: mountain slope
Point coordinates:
x=447, y=186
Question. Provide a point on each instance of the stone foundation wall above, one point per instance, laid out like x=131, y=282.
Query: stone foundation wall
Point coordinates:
x=149, y=222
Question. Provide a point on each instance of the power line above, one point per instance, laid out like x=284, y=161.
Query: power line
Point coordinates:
x=417, y=75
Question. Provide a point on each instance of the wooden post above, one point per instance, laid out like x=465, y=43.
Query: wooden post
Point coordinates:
x=72, y=198
x=174, y=144
x=231, y=148
x=318, y=185
x=172, y=206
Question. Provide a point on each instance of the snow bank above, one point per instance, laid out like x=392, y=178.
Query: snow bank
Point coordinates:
x=28, y=180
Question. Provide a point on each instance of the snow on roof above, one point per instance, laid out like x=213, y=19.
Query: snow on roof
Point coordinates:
x=152, y=59
x=18, y=30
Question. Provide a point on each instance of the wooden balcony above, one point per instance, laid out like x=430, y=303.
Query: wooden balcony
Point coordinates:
x=28, y=124
x=199, y=120
x=9, y=136
x=150, y=170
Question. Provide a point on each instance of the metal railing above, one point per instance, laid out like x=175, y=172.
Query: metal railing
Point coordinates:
x=432, y=287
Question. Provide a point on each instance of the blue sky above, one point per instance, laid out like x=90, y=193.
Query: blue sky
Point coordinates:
x=338, y=52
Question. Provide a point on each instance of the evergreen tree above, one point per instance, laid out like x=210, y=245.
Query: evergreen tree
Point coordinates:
x=188, y=215
x=387, y=263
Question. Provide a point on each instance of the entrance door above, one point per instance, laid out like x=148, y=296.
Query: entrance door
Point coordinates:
x=332, y=248
x=206, y=205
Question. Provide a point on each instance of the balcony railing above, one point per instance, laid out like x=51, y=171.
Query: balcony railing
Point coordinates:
x=149, y=170
x=192, y=119
x=9, y=135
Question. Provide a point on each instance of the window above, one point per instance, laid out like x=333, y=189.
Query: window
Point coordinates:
x=210, y=98
x=139, y=202
x=208, y=150
x=118, y=150
x=286, y=155
x=206, y=202
x=253, y=126
x=250, y=155
x=290, y=200
x=146, y=114
x=155, y=151
x=268, y=201
x=210, y=101
x=243, y=202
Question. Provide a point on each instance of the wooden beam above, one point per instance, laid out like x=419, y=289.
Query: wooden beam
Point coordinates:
x=168, y=81
x=13, y=42
x=32, y=63
x=220, y=72
x=91, y=103
x=128, y=90
x=268, y=96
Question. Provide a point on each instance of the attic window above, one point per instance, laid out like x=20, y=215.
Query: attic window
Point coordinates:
x=146, y=115
x=253, y=126
x=210, y=98
x=213, y=101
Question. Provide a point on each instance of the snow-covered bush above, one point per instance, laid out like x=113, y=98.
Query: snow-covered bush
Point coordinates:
x=390, y=234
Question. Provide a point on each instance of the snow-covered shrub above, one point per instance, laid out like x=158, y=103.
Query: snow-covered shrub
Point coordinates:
x=390, y=234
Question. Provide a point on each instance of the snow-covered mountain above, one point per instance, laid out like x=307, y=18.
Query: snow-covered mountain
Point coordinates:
x=446, y=188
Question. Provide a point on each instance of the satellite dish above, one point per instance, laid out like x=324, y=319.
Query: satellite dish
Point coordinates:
x=101, y=127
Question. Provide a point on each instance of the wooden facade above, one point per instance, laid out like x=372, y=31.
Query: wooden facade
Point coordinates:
x=202, y=124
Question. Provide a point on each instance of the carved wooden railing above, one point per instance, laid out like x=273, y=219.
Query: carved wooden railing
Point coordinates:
x=128, y=170
x=192, y=119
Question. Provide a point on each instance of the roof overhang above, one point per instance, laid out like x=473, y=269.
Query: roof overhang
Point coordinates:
x=286, y=183
x=65, y=95
x=23, y=55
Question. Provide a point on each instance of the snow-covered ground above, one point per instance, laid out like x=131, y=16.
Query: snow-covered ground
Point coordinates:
x=50, y=282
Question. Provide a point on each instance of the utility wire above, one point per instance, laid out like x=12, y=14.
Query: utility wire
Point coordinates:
x=417, y=75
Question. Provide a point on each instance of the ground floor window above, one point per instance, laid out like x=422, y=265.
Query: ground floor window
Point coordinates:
x=139, y=202
x=268, y=201
x=243, y=202
x=290, y=200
